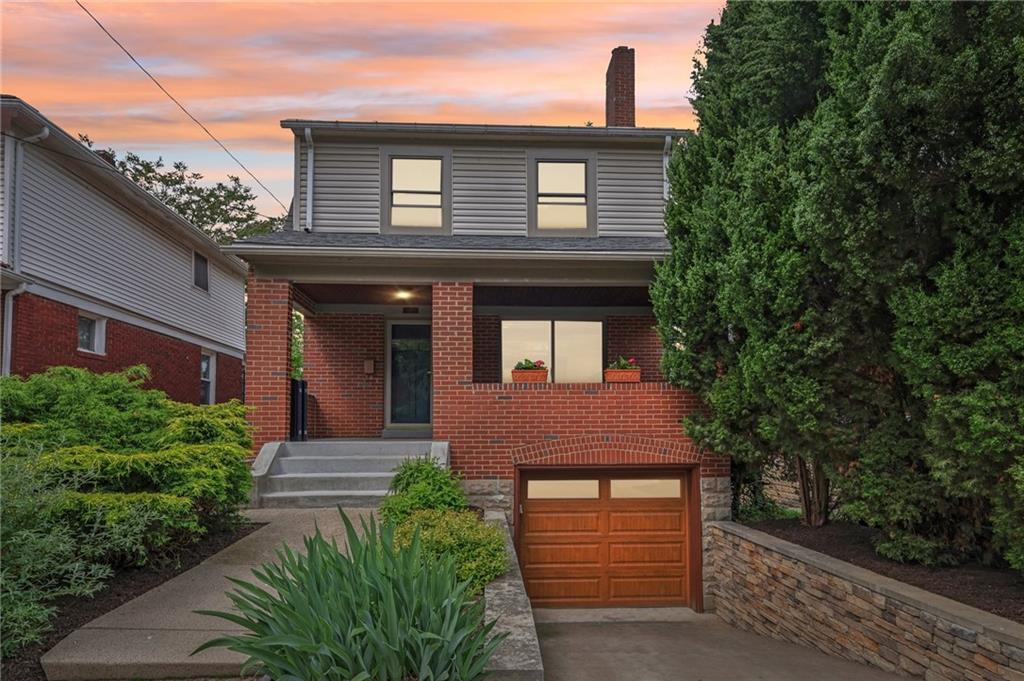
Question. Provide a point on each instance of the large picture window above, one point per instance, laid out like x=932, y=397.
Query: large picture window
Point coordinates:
x=573, y=350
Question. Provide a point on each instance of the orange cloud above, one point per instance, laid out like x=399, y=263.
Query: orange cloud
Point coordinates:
x=242, y=67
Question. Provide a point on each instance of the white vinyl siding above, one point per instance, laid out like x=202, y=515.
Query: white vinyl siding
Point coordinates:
x=346, y=188
x=630, y=193
x=4, y=222
x=489, y=191
x=72, y=235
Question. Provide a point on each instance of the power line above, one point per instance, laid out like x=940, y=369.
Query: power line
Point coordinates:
x=180, y=105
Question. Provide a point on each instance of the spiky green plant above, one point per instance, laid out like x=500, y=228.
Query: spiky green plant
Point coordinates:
x=376, y=612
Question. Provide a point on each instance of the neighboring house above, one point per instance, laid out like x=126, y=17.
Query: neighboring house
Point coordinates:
x=428, y=259
x=97, y=273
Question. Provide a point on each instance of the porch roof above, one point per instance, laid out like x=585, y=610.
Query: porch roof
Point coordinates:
x=290, y=242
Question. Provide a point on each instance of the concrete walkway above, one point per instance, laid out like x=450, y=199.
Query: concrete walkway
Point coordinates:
x=676, y=644
x=153, y=636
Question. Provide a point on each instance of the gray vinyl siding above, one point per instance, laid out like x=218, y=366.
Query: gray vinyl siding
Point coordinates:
x=630, y=193
x=72, y=235
x=489, y=190
x=3, y=200
x=346, y=188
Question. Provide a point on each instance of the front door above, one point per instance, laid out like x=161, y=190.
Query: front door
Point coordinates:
x=409, y=374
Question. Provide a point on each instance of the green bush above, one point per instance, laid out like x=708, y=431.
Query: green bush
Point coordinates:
x=215, y=478
x=477, y=547
x=382, y=612
x=421, y=484
x=136, y=526
x=222, y=423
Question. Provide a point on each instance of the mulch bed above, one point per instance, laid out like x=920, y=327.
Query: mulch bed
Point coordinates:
x=122, y=587
x=996, y=590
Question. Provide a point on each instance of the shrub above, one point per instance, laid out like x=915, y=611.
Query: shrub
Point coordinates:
x=382, y=612
x=477, y=547
x=421, y=484
x=214, y=424
x=137, y=526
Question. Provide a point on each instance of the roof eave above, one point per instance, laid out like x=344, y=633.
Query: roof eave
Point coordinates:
x=243, y=250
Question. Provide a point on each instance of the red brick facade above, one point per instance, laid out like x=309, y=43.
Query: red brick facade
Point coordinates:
x=635, y=337
x=486, y=349
x=490, y=425
x=620, y=95
x=268, y=312
x=45, y=334
x=344, y=400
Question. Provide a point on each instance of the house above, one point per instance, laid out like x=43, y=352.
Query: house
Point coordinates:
x=428, y=260
x=99, y=274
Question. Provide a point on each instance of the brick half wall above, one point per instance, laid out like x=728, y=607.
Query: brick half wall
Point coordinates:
x=45, y=334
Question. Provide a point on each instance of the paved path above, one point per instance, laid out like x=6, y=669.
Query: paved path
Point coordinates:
x=689, y=647
x=153, y=636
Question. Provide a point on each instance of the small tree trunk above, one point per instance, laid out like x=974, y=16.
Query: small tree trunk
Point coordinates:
x=814, y=491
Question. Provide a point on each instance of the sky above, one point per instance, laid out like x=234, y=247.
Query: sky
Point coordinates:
x=241, y=68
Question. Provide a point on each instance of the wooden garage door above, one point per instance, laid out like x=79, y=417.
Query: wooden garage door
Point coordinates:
x=604, y=538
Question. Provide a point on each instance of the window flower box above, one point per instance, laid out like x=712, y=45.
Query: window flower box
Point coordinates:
x=622, y=370
x=530, y=371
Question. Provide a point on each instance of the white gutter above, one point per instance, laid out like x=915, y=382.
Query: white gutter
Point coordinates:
x=426, y=253
x=309, y=181
x=8, y=320
x=43, y=134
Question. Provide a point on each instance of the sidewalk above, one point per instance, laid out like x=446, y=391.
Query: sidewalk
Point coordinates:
x=153, y=636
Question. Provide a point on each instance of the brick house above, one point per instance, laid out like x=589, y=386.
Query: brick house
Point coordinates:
x=99, y=274
x=427, y=260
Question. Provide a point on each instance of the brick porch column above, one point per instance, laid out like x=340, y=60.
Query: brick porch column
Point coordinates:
x=452, y=346
x=267, y=365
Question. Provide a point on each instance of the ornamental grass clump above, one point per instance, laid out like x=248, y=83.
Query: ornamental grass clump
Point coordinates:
x=379, y=612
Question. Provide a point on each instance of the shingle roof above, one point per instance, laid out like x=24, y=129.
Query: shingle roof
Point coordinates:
x=288, y=238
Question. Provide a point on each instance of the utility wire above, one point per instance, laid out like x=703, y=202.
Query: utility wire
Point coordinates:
x=180, y=105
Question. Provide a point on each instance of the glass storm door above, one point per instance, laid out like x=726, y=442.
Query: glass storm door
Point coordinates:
x=409, y=386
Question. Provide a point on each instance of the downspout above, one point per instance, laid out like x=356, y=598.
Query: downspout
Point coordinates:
x=8, y=323
x=309, y=181
x=665, y=157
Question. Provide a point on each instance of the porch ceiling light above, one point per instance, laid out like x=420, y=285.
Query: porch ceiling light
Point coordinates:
x=403, y=295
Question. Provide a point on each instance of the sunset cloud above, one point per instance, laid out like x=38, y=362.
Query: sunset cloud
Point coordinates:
x=242, y=67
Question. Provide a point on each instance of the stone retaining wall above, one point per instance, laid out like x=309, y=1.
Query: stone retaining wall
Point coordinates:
x=784, y=591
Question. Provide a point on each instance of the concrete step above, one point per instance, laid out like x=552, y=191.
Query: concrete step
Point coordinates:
x=404, y=448
x=334, y=482
x=383, y=463
x=323, y=499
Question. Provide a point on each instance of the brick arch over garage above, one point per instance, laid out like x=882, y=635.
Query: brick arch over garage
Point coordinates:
x=606, y=450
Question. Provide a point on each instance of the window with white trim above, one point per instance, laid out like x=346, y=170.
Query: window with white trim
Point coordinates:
x=92, y=333
x=200, y=271
x=207, y=375
x=573, y=351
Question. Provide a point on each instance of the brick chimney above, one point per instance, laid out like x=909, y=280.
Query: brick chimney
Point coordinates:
x=619, y=97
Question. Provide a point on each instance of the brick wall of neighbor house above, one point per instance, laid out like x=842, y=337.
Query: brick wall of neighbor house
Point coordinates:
x=778, y=589
x=344, y=400
x=635, y=337
x=267, y=340
x=493, y=426
x=46, y=334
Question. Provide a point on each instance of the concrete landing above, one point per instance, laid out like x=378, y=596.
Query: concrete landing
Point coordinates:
x=153, y=636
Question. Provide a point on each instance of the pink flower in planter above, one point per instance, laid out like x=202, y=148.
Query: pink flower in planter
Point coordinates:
x=632, y=360
x=539, y=362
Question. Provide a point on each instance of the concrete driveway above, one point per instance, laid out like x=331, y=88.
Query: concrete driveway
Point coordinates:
x=691, y=647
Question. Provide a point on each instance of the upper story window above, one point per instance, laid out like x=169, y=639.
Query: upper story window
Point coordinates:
x=200, y=271
x=563, y=188
x=91, y=334
x=561, y=195
x=416, y=191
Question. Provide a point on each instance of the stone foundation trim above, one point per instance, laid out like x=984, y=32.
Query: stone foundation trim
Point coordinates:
x=785, y=591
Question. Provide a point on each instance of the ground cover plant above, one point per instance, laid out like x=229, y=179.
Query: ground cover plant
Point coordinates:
x=97, y=473
x=421, y=484
x=377, y=611
x=846, y=283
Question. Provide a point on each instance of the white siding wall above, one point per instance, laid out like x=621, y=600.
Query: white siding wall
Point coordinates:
x=74, y=236
x=4, y=223
x=488, y=190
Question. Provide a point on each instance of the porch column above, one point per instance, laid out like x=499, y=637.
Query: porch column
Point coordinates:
x=452, y=347
x=267, y=366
